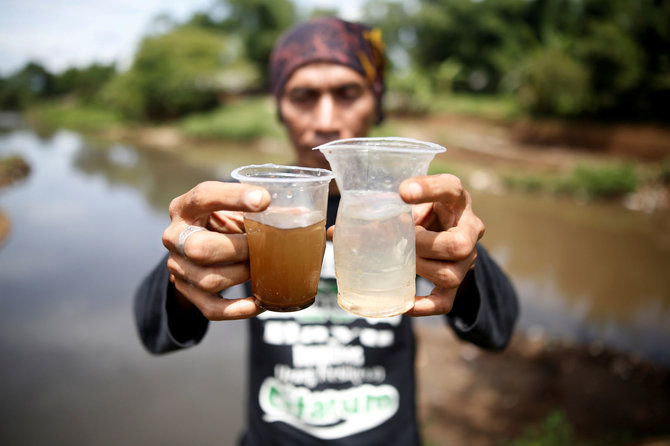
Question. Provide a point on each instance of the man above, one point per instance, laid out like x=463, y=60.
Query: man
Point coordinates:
x=322, y=375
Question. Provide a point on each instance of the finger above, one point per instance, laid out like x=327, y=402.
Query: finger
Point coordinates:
x=214, y=307
x=442, y=188
x=422, y=214
x=196, y=205
x=208, y=247
x=440, y=301
x=330, y=232
x=453, y=244
x=443, y=274
x=212, y=279
x=227, y=222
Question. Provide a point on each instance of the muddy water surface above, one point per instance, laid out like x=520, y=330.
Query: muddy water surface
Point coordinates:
x=594, y=273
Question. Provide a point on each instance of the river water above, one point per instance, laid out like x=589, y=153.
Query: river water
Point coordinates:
x=86, y=228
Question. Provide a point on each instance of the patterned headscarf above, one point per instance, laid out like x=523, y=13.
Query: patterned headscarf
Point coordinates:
x=327, y=39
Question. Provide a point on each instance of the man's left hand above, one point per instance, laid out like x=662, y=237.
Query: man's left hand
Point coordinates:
x=447, y=231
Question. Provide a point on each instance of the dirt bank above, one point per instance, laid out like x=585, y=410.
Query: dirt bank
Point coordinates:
x=531, y=144
x=12, y=169
x=472, y=397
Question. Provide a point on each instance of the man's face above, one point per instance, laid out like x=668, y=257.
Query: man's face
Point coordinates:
x=323, y=102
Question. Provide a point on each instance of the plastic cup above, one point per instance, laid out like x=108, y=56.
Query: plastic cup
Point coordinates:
x=374, y=240
x=287, y=240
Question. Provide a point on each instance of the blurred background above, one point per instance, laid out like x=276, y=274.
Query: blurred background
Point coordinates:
x=555, y=114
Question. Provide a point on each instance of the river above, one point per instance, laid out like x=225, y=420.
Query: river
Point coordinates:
x=85, y=229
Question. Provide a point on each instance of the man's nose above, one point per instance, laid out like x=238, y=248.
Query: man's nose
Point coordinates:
x=326, y=114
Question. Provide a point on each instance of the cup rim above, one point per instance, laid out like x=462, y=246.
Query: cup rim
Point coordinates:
x=278, y=173
x=383, y=144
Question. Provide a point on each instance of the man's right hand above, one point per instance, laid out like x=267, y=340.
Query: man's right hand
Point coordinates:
x=217, y=258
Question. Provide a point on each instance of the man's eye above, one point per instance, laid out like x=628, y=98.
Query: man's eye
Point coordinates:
x=349, y=92
x=303, y=96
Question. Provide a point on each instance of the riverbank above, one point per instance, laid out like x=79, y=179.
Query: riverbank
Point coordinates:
x=537, y=393
x=625, y=162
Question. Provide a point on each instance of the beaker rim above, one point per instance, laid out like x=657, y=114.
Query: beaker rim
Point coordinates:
x=273, y=173
x=385, y=144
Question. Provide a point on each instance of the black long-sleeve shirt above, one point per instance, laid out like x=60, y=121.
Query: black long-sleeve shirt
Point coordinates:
x=324, y=376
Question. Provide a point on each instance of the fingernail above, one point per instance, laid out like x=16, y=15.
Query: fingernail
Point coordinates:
x=254, y=198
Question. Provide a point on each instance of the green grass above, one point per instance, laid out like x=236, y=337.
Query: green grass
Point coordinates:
x=557, y=430
x=438, y=166
x=485, y=106
x=606, y=181
x=610, y=181
x=241, y=120
x=73, y=116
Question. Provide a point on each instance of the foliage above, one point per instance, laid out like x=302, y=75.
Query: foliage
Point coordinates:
x=486, y=38
x=409, y=92
x=605, y=182
x=613, y=61
x=172, y=74
x=561, y=57
x=551, y=82
x=84, y=83
x=258, y=23
x=33, y=81
x=394, y=19
x=240, y=120
x=566, y=58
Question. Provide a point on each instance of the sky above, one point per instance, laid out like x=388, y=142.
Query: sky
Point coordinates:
x=76, y=33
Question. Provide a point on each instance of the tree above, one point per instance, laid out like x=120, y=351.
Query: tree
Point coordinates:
x=30, y=83
x=172, y=74
x=612, y=57
x=485, y=38
x=84, y=83
x=259, y=23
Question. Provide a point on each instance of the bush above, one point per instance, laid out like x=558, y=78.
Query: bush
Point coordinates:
x=605, y=182
x=615, y=65
x=553, y=83
x=593, y=182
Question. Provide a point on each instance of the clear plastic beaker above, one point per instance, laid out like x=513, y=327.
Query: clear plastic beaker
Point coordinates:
x=374, y=240
x=286, y=240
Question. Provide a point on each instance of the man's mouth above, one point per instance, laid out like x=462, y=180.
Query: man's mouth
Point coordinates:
x=325, y=138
